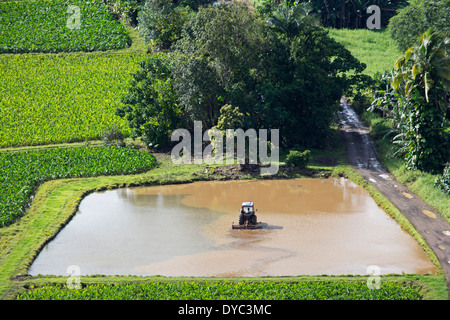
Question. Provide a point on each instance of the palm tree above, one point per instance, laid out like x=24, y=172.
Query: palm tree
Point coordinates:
x=290, y=18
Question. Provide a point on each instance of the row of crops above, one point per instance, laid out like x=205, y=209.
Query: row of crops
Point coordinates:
x=227, y=290
x=62, y=98
x=59, y=26
x=22, y=172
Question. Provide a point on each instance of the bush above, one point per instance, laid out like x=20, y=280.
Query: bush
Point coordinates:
x=444, y=182
x=298, y=159
x=113, y=137
x=127, y=10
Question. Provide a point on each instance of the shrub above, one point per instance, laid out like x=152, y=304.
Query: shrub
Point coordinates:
x=444, y=182
x=298, y=159
x=127, y=10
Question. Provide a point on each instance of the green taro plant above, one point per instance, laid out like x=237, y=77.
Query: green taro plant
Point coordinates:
x=229, y=290
x=59, y=26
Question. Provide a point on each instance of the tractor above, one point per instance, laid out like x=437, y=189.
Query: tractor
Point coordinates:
x=247, y=217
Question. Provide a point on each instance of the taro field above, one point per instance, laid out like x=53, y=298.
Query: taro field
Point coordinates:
x=59, y=26
x=62, y=98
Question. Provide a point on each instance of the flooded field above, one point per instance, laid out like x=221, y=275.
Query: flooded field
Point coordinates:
x=310, y=227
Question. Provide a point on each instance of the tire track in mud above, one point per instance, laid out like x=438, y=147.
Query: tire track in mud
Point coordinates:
x=362, y=155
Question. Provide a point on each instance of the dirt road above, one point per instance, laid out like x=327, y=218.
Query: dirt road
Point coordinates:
x=362, y=155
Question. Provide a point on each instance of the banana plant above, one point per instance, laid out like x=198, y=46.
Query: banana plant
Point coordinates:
x=423, y=77
x=425, y=65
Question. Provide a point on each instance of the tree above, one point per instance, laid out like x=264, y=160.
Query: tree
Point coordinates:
x=151, y=105
x=214, y=58
x=416, y=18
x=161, y=22
x=352, y=13
x=289, y=79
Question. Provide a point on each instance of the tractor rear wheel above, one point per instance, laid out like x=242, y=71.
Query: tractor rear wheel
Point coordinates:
x=253, y=219
x=241, y=219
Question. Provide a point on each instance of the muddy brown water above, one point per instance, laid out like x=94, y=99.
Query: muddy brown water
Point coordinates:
x=310, y=227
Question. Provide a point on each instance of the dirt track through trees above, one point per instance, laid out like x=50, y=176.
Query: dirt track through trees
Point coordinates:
x=362, y=155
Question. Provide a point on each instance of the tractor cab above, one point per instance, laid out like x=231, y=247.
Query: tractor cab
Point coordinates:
x=247, y=208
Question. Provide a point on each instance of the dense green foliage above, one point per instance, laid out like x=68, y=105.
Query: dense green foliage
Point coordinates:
x=126, y=10
x=161, y=22
x=54, y=98
x=419, y=16
x=22, y=172
x=278, y=79
x=228, y=290
x=414, y=98
x=52, y=26
x=345, y=13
